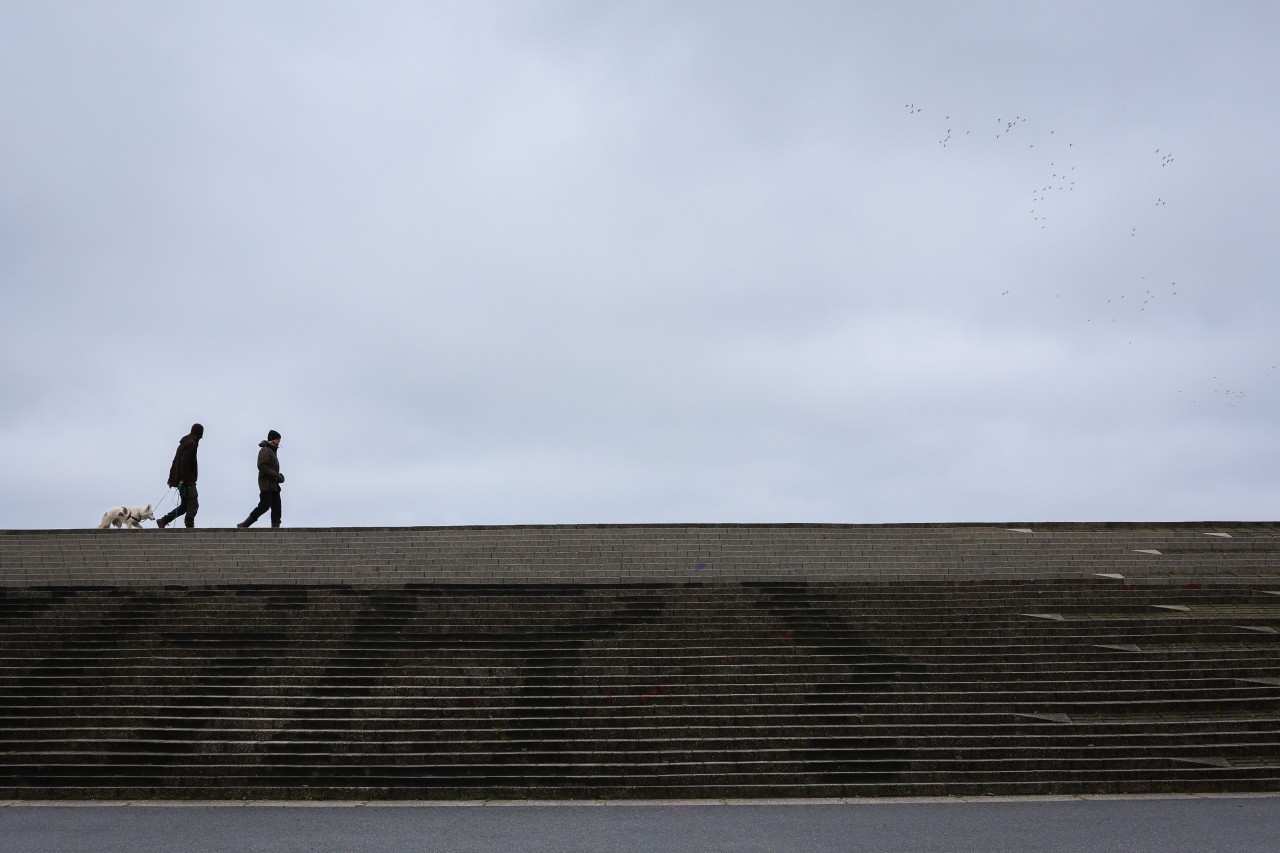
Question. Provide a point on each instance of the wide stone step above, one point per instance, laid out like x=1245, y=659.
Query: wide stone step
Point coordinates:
x=444, y=675
x=691, y=553
x=456, y=731
x=159, y=759
x=975, y=591
x=623, y=779
x=340, y=734
x=1211, y=738
x=871, y=705
x=1206, y=780
x=982, y=657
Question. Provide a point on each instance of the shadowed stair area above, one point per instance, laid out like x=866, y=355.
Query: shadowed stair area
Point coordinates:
x=640, y=661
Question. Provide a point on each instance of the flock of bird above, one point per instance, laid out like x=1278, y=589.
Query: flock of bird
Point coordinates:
x=1060, y=169
x=1060, y=178
x=1049, y=197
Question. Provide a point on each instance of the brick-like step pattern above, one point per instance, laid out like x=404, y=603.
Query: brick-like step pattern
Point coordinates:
x=699, y=689
x=588, y=554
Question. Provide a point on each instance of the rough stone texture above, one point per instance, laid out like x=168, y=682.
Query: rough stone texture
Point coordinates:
x=635, y=553
x=640, y=661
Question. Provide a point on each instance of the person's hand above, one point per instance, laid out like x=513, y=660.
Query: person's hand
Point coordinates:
x=279, y=478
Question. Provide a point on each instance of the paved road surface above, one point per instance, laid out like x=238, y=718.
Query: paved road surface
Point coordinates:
x=1131, y=825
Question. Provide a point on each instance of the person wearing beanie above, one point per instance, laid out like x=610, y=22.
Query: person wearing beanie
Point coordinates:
x=269, y=480
x=182, y=475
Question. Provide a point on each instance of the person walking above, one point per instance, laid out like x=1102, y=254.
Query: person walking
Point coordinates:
x=269, y=480
x=182, y=475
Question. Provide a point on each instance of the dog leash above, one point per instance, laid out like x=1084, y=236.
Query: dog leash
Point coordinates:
x=163, y=498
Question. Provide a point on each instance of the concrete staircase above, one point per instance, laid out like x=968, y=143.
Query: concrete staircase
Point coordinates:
x=639, y=661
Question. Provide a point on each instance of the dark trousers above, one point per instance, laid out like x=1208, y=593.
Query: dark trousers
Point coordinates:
x=188, y=504
x=267, y=501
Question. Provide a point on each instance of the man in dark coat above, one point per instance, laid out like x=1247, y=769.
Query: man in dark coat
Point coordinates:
x=269, y=480
x=182, y=474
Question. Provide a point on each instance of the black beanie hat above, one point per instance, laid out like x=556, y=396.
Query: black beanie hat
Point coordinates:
x=272, y=435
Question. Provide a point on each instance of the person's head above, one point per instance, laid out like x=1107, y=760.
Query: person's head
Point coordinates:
x=273, y=437
x=197, y=430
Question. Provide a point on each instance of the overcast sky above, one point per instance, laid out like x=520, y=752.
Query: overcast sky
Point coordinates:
x=574, y=262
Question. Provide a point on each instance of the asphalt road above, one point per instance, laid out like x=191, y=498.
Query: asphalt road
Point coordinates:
x=1131, y=825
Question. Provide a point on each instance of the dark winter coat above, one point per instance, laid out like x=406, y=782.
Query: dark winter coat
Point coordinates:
x=184, y=468
x=269, y=476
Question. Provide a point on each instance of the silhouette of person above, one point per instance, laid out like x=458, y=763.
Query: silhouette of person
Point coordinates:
x=269, y=480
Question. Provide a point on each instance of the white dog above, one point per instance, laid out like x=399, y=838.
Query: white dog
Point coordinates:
x=126, y=515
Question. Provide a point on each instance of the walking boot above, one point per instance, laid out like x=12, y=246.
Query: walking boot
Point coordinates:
x=161, y=522
x=245, y=523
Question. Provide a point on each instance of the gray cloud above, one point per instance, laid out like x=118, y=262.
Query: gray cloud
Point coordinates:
x=579, y=262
